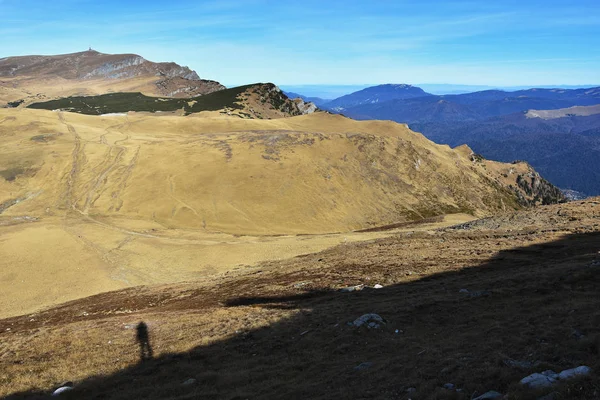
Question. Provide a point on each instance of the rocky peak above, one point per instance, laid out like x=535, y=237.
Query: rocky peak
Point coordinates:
x=171, y=79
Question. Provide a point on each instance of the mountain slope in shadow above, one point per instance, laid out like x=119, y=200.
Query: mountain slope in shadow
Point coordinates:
x=479, y=305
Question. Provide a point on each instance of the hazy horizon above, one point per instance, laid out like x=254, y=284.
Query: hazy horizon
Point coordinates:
x=505, y=43
x=334, y=91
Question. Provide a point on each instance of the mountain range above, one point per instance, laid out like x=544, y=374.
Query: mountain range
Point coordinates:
x=499, y=125
x=240, y=236
x=34, y=78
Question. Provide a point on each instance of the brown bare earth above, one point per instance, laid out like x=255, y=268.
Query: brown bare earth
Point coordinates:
x=280, y=329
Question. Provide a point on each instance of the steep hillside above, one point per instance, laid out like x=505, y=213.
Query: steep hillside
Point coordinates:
x=106, y=202
x=563, y=145
x=317, y=173
x=555, y=130
x=462, y=311
x=375, y=94
x=260, y=100
x=31, y=78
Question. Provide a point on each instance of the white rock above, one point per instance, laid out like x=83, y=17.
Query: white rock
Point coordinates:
x=574, y=372
x=61, y=390
x=491, y=395
x=377, y=286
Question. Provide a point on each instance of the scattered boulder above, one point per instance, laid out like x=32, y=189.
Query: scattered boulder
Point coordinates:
x=371, y=320
x=491, y=395
x=66, y=383
x=547, y=378
x=574, y=372
x=377, y=286
x=540, y=380
x=465, y=291
x=352, y=289
x=411, y=390
x=449, y=386
x=364, y=365
x=62, y=390
x=189, y=382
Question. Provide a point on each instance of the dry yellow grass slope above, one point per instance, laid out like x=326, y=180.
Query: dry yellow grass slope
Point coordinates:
x=311, y=174
x=90, y=204
x=35, y=89
x=480, y=306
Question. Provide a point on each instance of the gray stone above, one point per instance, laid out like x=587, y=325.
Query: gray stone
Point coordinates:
x=189, y=382
x=463, y=291
x=368, y=319
x=537, y=381
x=449, y=386
x=575, y=372
x=411, y=390
x=352, y=288
x=364, y=365
x=491, y=395
x=551, y=374
x=62, y=390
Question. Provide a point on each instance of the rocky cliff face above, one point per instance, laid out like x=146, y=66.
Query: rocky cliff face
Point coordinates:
x=266, y=100
x=168, y=78
x=91, y=65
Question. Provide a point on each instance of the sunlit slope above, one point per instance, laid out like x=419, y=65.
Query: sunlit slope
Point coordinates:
x=310, y=174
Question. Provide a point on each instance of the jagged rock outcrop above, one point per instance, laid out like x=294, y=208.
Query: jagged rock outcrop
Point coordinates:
x=266, y=100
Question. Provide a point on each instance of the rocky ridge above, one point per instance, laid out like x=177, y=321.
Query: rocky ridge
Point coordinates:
x=32, y=73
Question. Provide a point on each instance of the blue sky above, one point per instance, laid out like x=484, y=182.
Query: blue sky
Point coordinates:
x=501, y=43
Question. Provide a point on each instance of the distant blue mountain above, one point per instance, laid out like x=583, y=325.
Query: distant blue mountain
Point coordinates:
x=375, y=95
x=494, y=123
x=317, y=100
